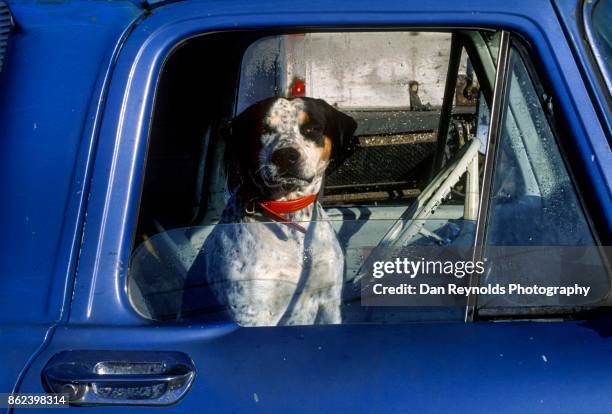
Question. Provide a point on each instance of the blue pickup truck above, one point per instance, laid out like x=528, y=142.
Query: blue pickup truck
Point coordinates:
x=110, y=113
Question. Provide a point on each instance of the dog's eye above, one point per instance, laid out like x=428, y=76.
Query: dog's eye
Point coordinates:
x=311, y=130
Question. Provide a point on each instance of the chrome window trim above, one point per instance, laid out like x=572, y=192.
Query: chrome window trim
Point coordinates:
x=587, y=14
x=493, y=136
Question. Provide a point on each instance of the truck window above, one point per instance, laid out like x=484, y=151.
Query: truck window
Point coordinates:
x=538, y=233
x=413, y=111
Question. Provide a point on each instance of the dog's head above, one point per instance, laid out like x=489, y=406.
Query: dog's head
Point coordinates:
x=280, y=148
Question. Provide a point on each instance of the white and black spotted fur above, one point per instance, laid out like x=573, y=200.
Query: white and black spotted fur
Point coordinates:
x=268, y=273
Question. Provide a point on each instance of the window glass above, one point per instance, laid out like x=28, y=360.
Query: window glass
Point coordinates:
x=535, y=213
x=374, y=101
x=533, y=200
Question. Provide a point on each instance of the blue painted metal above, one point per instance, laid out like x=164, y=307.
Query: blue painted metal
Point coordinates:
x=552, y=367
x=419, y=368
x=50, y=91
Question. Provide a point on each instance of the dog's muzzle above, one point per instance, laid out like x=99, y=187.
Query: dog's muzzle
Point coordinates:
x=288, y=162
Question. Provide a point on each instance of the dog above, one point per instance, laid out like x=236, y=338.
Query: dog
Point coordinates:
x=274, y=259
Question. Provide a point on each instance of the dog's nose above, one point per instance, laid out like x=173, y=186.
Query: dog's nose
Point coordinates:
x=286, y=159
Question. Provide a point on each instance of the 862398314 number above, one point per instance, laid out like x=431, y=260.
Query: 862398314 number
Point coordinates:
x=10, y=400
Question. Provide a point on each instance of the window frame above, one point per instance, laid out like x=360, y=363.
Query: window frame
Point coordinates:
x=460, y=41
x=119, y=144
x=495, y=94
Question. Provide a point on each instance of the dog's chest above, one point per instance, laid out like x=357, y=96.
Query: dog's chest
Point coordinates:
x=281, y=252
x=262, y=271
x=248, y=248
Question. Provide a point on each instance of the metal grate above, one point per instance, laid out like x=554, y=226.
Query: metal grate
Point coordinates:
x=376, y=164
x=6, y=25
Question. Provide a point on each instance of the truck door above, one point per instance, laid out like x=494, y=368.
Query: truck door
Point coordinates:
x=157, y=188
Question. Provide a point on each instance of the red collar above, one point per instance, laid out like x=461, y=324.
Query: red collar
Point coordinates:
x=276, y=208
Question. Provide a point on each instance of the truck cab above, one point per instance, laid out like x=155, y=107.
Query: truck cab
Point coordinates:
x=483, y=128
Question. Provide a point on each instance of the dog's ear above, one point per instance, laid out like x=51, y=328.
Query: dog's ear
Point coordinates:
x=242, y=144
x=241, y=132
x=341, y=129
x=247, y=124
x=236, y=134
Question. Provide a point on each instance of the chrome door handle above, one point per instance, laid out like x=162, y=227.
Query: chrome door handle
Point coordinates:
x=119, y=377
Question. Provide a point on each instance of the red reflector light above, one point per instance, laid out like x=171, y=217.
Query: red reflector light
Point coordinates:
x=298, y=88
